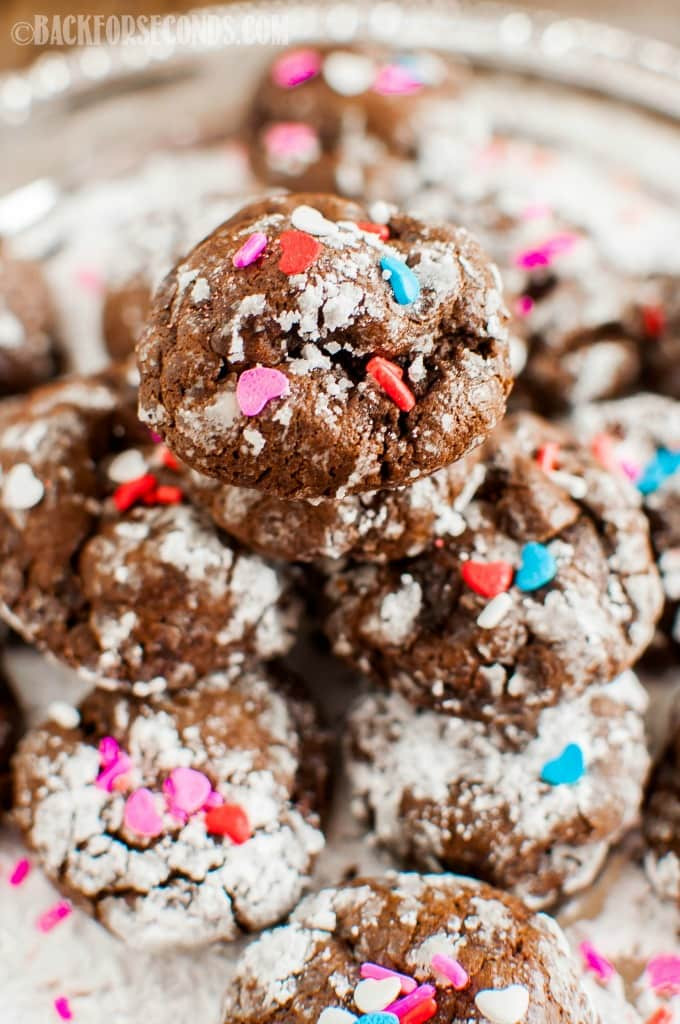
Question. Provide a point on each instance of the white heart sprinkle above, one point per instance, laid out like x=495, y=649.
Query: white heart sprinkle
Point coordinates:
x=503, y=1005
x=22, y=489
x=336, y=1015
x=127, y=466
x=348, y=73
x=372, y=996
x=311, y=220
x=495, y=611
x=63, y=714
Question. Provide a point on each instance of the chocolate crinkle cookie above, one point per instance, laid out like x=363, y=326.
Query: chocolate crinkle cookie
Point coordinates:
x=445, y=793
x=307, y=351
x=638, y=438
x=333, y=119
x=28, y=350
x=180, y=821
x=103, y=564
x=10, y=725
x=378, y=526
x=551, y=586
x=661, y=821
x=426, y=947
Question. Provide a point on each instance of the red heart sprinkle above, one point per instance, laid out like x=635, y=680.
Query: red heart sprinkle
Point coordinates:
x=298, y=251
x=487, y=578
x=375, y=229
x=128, y=494
x=228, y=820
x=389, y=376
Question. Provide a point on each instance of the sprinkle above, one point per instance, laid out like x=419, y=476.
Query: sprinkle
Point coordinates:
x=114, y=763
x=140, y=814
x=395, y=80
x=595, y=962
x=63, y=1008
x=229, y=820
x=494, y=612
x=544, y=254
x=128, y=465
x=372, y=995
x=451, y=969
x=168, y=459
x=164, y=494
x=602, y=447
x=259, y=386
x=537, y=569
x=311, y=220
x=573, y=485
x=503, y=1005
x=298, y=251
x=379, y=1018
x=64, y=714
x=336, y=1015
x=419, y=995
x=487, y=578
x=187, y=791
x=251, y=250
x=371, y=970
x=128, y=494
x=20, y=871
x=348, y=74
x=291, y=140
x=653, y=320
x=548, y=456
x=296, y=67
x=22, y=489
x=664, y=465
x=566, y=769
x=381, y=230
x=421, y=1013
x=524, y=305
x=403, y=282
x=663, y=973
x=156, y=438
x=661, y=1016
x=390, y=378
x=52, y=917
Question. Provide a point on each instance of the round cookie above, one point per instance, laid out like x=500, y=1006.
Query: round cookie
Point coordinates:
x=514, y=965
x=551, y=587
x=379, y=526
x=180, y=821
x=10, y=724
x=445, y=793
x=639, y=438
x=104, y=566
x=333, y=363
x=27, y=329
x=333, y=119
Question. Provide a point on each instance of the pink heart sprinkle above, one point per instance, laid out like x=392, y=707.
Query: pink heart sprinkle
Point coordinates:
x=296, y=67
x=140, y=814
x=663, y=973
x=292, y=139
x=251, y=250
x=595, y=962
x=256, y=387
x=187, y=791
x=394, y=80
x=114, y=763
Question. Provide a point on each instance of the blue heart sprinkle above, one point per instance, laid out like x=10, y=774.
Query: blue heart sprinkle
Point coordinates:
x=565, y=769
x=664, y=464
x=404, y=283
x=538, y=567
x=378, y=1018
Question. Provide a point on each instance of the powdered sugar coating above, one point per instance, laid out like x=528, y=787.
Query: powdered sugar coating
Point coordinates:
x=336, y=432
x=587, y=624
x=260, y=750
x=445, y=792
x=292, y=973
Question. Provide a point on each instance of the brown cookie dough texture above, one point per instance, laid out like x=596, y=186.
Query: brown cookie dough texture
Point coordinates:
x=361, y=117
x=333, y=430
x=418, y=627
x=27, y=329
x=186, y=885
x=400, y=922
x=141, y=595
x=379, y=526
x=662, y=823
x=446, y=794
x=628, y=437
